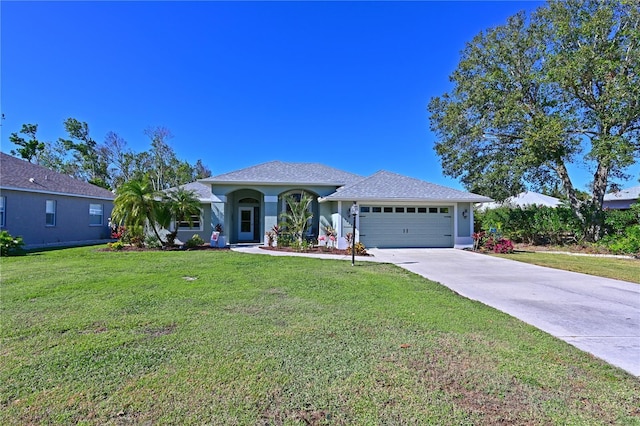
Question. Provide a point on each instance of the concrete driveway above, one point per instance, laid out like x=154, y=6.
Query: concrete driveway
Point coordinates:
x=598, y=315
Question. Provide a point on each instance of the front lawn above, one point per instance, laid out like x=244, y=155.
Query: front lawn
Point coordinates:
x=95, y=337
x=607, y=267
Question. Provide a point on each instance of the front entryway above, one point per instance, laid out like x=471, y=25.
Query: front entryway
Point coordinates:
x=246, y=224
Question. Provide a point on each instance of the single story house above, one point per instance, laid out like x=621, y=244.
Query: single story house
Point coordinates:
x=622, y=200
x=47, y=208
x=524, y=199
x=393, y=210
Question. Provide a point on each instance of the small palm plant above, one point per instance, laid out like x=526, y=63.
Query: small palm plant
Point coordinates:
x=136, y=203
x=298, y=217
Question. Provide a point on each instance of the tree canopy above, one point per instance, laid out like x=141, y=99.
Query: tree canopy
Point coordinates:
x=541, y=92
x=111, y=163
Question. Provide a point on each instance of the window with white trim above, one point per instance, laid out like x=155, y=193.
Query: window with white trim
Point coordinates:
x=3, y=216
x=95, y=214
x=50, y=213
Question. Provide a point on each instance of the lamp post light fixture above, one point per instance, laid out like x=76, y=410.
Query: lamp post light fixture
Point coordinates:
x=354, y=214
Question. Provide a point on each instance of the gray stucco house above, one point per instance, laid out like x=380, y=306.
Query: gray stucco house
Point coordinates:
x=48, y=208
x=394, y=210
x=623, y=199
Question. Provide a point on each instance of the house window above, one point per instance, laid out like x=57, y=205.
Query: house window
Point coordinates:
x=95, y=214
x=364, y=209
x=3, y=203
x=196, y=220
x=50, y=210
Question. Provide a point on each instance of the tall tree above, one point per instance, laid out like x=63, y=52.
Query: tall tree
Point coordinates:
x=162, y=156
x=29, y=149
x=93, y=166
x=537, y=94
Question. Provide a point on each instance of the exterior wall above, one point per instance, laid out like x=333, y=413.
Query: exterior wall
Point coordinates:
x=464, y=226
x=204, y=230
x=618, y=204
x=26, y=214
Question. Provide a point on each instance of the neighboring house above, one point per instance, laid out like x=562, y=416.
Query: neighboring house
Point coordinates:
x=394, y=210
x=622, y=200
x=524, y=199
x=48, y=208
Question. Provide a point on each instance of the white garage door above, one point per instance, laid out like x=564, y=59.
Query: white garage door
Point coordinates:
x=393, y=226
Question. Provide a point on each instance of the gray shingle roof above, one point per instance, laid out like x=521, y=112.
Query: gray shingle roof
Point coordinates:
x=202, y=190
x=632, y=193
x=388, y=186
x=278, y=172
x=22, y=175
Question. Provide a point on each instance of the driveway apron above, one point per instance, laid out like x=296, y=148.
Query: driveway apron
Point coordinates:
x=598, y=315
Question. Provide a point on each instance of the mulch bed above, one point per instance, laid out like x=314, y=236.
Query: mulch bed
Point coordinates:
x=314, y=250
x=175, y=248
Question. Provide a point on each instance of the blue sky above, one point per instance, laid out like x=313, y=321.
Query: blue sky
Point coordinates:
x=241, y=83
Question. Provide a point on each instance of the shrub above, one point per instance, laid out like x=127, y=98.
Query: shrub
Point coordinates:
x=503, y=246
x=361, y=250
x=133, y=235
x=116, y=246
x=10, y=245
x=285, y=239
x=151, y=241
x=625, y=244
x=532, y=224
x=194, y=241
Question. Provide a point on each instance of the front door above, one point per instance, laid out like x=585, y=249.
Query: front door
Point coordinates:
x=246, y=224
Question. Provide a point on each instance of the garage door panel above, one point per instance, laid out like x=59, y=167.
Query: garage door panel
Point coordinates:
x=406, y=229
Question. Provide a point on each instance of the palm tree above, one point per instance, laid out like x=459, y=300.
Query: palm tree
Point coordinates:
x=296, y=218
x=179, y=205
x=136, y=202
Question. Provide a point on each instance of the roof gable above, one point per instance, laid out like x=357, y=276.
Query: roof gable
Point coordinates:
x=21, y=175
x=278, y=172
x=390, y=186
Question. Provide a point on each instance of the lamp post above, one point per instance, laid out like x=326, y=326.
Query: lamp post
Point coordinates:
x=354, y=213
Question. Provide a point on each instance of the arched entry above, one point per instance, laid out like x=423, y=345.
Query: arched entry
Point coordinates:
x=248, y=220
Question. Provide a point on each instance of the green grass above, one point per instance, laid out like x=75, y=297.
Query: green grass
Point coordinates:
x=91, y=337
x=607, y=267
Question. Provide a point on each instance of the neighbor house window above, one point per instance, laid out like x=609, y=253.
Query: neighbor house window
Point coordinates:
x=196, y=222
x=3, y=203
x=95, y=214
x=50, y=213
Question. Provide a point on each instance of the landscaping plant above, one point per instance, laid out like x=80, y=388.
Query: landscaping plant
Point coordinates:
x=10, y=245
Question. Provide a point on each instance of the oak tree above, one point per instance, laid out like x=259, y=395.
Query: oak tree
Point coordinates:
x=542, y=92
